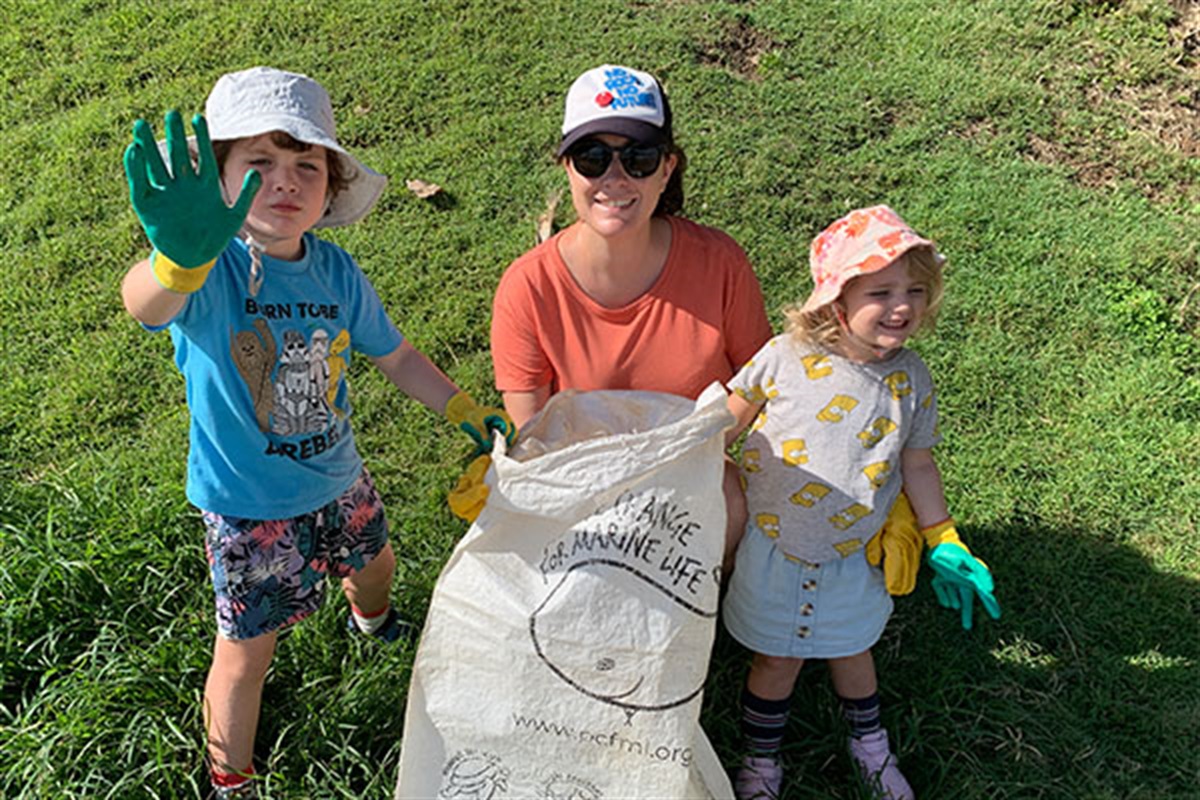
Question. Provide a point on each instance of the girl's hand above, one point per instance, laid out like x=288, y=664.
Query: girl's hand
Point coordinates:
x=182, y=211
x=960, y=576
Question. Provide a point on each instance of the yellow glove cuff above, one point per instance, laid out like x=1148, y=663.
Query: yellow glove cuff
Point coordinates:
x=941, y=533
x=183, y=280
x=458, y=407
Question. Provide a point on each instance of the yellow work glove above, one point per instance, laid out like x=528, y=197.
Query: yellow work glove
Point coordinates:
x=479, y=422
x=470, y=494
x=960, y=576
x=898, y=546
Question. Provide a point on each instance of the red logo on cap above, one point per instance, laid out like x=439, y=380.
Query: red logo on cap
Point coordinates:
x=604, y=98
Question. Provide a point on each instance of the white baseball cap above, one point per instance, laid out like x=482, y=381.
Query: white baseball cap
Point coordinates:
x=263, y=99
x=614, y=99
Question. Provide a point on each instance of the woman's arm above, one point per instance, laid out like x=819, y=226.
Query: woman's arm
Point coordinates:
x=923, y=485
x=521, y=406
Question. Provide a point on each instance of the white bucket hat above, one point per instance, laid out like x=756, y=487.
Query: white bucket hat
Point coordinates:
x=263, y=99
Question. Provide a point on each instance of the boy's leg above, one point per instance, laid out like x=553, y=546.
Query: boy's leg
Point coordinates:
x=358, y=533
x=369, y=589
x=232, y=697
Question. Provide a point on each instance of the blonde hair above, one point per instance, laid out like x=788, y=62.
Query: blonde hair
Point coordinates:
x=821, y=327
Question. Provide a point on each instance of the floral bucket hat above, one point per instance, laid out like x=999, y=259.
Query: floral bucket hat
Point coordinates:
x=864, y=241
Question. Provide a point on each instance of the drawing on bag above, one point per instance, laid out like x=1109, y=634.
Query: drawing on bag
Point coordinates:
x=569, y=787
x=607, y=656
x=473, y=775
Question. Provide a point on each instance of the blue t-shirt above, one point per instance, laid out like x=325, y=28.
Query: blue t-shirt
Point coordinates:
x=270, y=434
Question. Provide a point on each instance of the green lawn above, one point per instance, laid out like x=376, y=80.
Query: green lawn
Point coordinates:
x=1050, y=147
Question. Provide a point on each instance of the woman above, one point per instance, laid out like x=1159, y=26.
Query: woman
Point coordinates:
x=630, y=296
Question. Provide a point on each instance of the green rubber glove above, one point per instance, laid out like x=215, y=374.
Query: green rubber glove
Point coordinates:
x=182, y=211
x=479, y=422
x=959, y=576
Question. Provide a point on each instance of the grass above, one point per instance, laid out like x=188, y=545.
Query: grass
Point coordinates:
x=1050, y=148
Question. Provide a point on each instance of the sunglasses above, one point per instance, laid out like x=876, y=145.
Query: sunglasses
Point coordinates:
x=592, y=157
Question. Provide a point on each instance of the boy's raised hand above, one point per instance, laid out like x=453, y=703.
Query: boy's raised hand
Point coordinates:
x=182, y=211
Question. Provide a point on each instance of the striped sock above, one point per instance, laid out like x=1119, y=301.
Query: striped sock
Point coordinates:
x=369, y=622
x=862, y=715
x=763, y=722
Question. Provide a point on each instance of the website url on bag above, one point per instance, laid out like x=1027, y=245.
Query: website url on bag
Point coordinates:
x=677, y=755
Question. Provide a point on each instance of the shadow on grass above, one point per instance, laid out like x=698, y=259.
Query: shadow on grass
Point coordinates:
x=1084, y=688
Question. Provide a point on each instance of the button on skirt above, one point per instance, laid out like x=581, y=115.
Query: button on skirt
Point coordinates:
x=778, y=605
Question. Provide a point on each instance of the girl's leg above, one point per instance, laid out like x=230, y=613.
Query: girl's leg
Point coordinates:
x=232, y=696
x=773, y=677
x=854, y=676
x=766, y=700
x=735, y=515
x=856, y=686
x=765, y=703
x=854, y=681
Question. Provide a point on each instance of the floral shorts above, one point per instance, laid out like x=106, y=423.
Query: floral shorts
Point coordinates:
x=270, y=573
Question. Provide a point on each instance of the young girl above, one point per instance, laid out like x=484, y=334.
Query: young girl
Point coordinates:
x=263, y=316
x=846, y=418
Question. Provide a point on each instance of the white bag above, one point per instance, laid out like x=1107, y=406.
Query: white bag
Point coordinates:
x=567, y=643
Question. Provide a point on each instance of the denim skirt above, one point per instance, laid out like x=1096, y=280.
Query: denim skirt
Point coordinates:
x=779, y=605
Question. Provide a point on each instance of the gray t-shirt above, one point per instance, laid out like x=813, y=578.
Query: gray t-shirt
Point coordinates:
x=822, y=460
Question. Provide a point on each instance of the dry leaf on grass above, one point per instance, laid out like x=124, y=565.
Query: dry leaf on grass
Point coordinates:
x=422, y=189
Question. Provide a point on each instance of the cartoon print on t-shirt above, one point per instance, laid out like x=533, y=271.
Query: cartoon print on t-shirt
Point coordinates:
x=318, y=367
x=299, y=401
x=337, y=366
x=254, y=356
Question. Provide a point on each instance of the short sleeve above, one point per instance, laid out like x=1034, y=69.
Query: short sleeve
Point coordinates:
x=754, y=375
x=746, y=326
x=519, y=361
x=925, y=433
x=372, y=331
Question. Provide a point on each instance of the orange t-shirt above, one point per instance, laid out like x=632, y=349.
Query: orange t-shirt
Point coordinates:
x=700, y=321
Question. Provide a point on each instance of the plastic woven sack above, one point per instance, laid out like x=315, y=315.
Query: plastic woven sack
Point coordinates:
x=566, y=647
